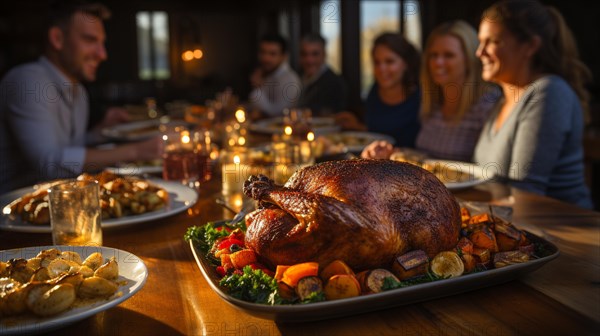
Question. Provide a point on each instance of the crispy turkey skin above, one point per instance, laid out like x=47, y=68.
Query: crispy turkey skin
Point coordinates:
x=364, y=212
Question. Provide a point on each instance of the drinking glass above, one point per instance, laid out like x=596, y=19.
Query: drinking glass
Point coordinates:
x=75, y=213
x=290, y=156
x=180, y=158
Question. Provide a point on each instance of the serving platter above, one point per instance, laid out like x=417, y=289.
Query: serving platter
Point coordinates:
x=132, y=272
x=378, y=301
x=181, y=198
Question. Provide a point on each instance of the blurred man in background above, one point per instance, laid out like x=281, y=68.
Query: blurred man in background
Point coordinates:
x=275, y=85
x=324, y=92
x=44, y=108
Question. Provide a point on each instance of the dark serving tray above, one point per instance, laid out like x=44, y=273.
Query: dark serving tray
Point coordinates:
x=377, y=301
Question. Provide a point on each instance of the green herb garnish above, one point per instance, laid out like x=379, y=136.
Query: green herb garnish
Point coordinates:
x=314, y=297
x=253, y=286
x=391, y=283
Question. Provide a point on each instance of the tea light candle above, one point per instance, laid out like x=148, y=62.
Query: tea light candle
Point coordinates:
x=235, y=170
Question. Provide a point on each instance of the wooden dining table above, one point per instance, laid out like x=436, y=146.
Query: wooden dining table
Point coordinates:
x=560, y=298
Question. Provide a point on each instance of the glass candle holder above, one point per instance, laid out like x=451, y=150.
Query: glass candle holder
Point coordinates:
x=180, y=158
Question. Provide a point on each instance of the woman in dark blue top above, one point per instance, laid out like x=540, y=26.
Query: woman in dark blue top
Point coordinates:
x=392, y=106
x=394, y=100
x=400, y=120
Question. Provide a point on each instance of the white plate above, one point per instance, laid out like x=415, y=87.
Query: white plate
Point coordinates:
x=133, y=169
x=139, y=130
x=321, y=125
x=453, y=173
x=131, y=269
x=357, y=141
x=180, y=199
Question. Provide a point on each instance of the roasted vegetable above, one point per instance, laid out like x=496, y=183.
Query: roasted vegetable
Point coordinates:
x=294, y=273
x=279, y=271
x=464, y=246
x=308, y=286
x=469, y=261
x=342, y=286
x=482, y=256
x=373, y=281
x=484, y=238
x=502, y=259
x=334, y=268
x=242, y=258
x=508, y=237
x=411, y=264
x=447, y=264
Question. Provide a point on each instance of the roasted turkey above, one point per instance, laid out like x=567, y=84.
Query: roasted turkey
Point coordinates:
x=364, y=212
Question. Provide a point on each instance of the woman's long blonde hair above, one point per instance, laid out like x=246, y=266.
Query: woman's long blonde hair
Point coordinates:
x=473, y=87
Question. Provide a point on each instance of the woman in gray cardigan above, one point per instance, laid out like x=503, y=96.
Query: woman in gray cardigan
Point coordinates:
x=534, y=137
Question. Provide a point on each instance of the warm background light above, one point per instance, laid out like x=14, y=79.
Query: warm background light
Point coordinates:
x=198, y=54
x=310, y=136
x=187, y=55
x=287, y=130
x=240, y=116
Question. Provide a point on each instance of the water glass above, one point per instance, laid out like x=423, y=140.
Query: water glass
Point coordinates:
x=75, y=213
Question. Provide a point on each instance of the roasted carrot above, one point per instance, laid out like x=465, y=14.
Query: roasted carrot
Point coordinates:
x=299, y=271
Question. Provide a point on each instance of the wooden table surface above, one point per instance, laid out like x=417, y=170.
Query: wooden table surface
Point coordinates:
x=561, y=298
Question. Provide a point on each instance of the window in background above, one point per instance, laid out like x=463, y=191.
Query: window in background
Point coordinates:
x=330, y=30
x=153, y=45
x=412, y=22
x=376, y=17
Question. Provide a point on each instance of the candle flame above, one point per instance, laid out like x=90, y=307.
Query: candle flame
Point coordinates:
x=240, y=116
x=231, y=142
x=242, y=141
x=236, y=159
x=310, y=136
x=287, y=130
x=198, y=54
x=185, y=137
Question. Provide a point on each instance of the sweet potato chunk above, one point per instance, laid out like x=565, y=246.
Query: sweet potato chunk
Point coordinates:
x=242, y=258
x=334, y=268
x=464, y=246
x=341, y=286
x=469, y=261
x=484, y=238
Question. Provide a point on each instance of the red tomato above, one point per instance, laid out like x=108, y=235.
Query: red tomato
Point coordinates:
x=228, y=242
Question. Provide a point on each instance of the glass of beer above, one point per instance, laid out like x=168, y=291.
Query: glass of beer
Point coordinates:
x=75, y=213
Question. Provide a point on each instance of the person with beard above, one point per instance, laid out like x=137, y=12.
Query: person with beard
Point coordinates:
x=44, y=107
x=275, y=84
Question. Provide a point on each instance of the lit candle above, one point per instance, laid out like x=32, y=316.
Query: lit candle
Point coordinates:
x=240, y=116
x=233, y=173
